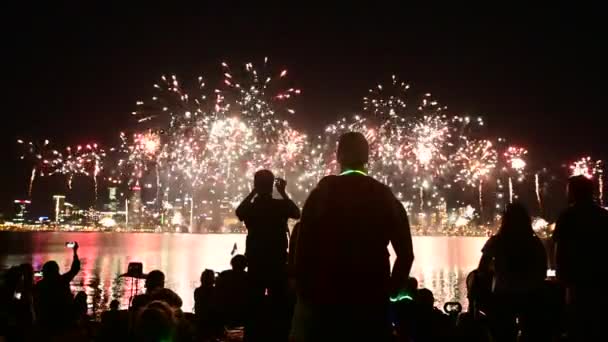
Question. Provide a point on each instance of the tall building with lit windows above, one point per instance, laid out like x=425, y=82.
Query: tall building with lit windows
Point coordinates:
x=134, y=207
x=59, y=202
x=21, y=210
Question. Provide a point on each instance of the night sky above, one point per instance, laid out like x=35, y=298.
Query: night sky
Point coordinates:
x=537, y=75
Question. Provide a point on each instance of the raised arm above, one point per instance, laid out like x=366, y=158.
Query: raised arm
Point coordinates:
x=242, y=211
x=75, y=268
x=293, y=211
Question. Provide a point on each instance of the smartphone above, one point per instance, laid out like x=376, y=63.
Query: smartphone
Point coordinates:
x=70, y=244
x=550, y=273
x=452, y=307
x=38, y=274
x=17, y=295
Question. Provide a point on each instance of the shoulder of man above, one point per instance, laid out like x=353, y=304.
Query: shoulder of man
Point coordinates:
x=322, y=189
x=327, y=181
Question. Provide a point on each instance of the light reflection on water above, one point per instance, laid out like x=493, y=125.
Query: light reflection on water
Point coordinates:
x=441, y=264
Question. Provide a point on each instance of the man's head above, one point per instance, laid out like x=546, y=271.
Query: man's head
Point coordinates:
x=238, y=262
x=580, y=189
x=263, y=181
x=50, y=269
x=353, y=151
x=155, y=280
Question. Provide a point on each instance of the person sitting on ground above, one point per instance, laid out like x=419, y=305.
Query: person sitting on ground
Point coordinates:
x=112, y=313
x=347, y=224
x=156, y=291
x=156, y=322
x=403, y=309
x=430, y=323
x=81, y=310
x=472, y=325
x=580, y=237
x=114, y=324
x=205, y=306
x=519, y=261
x=233, y=292
x=114, y=305
x=53, y=296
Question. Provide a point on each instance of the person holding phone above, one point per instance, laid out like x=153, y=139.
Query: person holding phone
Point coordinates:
x=53, y=296
x=266, y=219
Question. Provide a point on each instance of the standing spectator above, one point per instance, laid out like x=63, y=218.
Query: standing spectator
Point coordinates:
x=342, y=267
x=519, y=261
x=580, y=236
x=266, y=248
x=53, y=297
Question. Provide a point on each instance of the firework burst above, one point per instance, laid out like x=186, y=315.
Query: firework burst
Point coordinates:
x=515, y=159
x=43, y=158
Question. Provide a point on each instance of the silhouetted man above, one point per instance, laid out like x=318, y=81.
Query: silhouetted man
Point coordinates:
x=580, y=236
x=266, y=249
x=156, y=291
x=343, y=276
x=53, y=296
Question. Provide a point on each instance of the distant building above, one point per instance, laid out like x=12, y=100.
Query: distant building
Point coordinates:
x=59, y=207
x=21, y=210
x=112, y=199
x=134, y=207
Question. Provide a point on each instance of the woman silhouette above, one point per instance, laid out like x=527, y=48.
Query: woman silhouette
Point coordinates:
x=519, y=263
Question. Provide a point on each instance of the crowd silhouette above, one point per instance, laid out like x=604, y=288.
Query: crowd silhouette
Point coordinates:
x=331, y=280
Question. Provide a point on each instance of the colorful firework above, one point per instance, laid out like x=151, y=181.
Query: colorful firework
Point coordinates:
x=44, y=160
x=586, y=167
x=385, y=101
x=515, y=159
x=203, y=146
x=477, y=160
x=590, y=168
